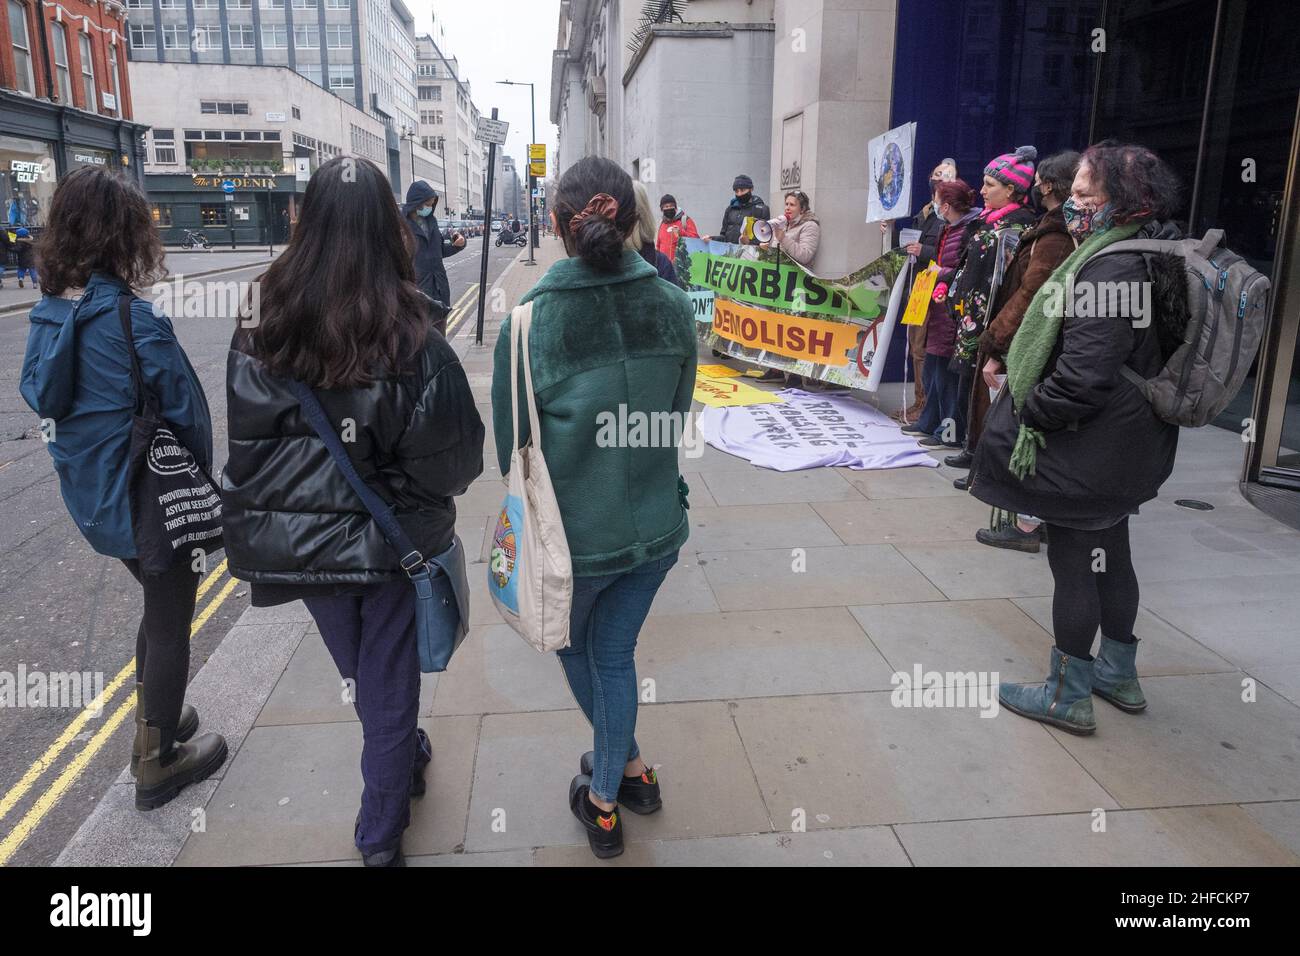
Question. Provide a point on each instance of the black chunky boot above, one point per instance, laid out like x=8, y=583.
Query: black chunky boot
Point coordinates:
x=166, y=767
x=604, y=830
x=639, y=794
x=187, y=728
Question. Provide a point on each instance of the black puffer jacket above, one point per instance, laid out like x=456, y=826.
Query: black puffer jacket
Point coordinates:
x=1106, y=450
x=290, y=517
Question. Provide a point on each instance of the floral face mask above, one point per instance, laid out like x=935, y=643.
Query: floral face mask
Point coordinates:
x=1084, y=221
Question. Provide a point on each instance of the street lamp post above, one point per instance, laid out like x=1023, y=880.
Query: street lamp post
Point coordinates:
x=532, y=203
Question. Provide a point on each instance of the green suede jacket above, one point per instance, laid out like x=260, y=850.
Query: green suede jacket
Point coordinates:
x=608, y=353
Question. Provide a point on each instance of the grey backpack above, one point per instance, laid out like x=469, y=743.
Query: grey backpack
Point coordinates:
x=1226, y=299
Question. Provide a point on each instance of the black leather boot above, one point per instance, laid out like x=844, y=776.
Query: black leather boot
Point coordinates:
x=639, y=794
x=187, y=728
x=166, y=767
x=604, y=830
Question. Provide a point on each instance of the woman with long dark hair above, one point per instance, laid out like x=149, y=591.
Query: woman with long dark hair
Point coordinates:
x=99, y=245
x=399, y=399
x=607, y=340
x=1071, y=441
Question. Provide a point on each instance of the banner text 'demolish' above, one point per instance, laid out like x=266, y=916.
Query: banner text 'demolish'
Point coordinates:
x=796, y=336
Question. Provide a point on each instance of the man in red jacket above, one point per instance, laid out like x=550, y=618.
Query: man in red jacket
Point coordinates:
x=675, y=225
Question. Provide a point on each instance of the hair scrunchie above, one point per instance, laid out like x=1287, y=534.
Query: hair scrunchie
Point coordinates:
x=601, y=204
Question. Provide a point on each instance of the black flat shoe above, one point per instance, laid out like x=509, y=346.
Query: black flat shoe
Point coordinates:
x=962, y=484
x=959, y=460
x=604, y=830
x=639, y=794
x=391, y=857
x=1011, y=538
x=932, y=442
x=423, y=757
x=913, y=430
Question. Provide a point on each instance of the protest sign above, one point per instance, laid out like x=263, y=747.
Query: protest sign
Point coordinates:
x=730, y=392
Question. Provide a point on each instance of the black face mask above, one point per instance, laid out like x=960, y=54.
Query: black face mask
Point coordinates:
x=670, y=214
x=746, y=196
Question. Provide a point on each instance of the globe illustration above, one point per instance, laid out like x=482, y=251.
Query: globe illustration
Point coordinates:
x=889, y=181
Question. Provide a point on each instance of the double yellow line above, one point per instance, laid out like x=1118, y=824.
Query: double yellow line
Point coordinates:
x=461, y=309
x=46, y=801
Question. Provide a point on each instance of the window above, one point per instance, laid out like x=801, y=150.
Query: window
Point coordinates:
x=213, y=214
x=338, y=4
x=431, y=93
x=60, y=34
x=239, y=4
x=22, y=47
x=297, y=113
x=207, y=38
x=241, y=36
x=272, y=135
x=223, y=108
x=87, y=73
x=306, y=37
x=140, y=4
x=112, y=78
x=143, y=38
x=252, y=134
x=194, y=134
x=275, y=36
x=172, y=4
x=272, y=4
x=341, y=77
x=206, y=4
x=339, y=36
x=164, y=154
x=175, y=37
x=310, y=70
x=233, y=134
x=162, y=214
x=304, y=4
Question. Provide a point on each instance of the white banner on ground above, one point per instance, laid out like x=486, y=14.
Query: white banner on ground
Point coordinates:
x=812, y=431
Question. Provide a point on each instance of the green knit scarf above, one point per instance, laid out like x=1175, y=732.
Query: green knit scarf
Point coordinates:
x=1036, y=337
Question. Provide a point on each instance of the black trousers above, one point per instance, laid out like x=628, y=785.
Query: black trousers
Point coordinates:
x=1095, y=587
x=162, y=644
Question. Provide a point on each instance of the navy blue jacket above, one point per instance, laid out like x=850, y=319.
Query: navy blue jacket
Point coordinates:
x=77, y=373
x=430, y=247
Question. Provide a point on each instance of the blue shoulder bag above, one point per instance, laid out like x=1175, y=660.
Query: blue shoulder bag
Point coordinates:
x=441, y=582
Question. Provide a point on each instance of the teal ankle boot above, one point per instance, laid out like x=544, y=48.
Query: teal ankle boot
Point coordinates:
x=1115, y=676
x=1065, y=701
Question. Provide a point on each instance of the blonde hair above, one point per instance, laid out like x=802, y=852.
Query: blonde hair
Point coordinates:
x=647, y=228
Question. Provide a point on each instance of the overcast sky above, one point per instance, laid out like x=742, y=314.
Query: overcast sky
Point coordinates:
x=501, y=40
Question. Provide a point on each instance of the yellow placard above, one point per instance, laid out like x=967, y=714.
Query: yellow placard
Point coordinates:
x=717, y=371
x=798, y=336
x=536, y=150
x=918, y=304
x=731, y=393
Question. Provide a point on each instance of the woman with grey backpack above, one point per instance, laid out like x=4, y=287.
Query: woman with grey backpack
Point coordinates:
x=1086, y=428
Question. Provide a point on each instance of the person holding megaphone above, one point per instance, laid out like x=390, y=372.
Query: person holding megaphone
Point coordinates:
x=799, y=233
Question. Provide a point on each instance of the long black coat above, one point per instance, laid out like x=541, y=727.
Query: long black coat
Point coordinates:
x=430, y=247
x=289, y=515
x=1106, y=451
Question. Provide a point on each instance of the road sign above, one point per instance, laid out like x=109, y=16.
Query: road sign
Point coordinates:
x=537, y=160
x=227, y=187
x=492, y=131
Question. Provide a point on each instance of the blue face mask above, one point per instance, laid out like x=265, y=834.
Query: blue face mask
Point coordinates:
x=424, y=211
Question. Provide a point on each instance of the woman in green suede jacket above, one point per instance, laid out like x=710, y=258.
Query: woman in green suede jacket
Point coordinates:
x=613, y=359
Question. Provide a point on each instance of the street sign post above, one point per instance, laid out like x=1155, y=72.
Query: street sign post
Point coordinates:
x=492, y=131
x=487, y=213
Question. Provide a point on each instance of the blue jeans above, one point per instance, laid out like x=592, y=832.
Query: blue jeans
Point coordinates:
x=943, y=400
x=608, y=611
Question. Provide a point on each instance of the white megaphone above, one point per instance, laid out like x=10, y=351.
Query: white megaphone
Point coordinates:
x=765, y=229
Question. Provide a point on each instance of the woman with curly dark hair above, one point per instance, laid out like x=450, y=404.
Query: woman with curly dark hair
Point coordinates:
x=1070, y=440
x=100, y=244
